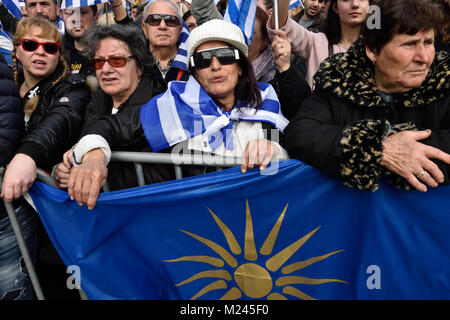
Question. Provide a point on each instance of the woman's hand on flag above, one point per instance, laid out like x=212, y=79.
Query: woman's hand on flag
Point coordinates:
x=86, y=179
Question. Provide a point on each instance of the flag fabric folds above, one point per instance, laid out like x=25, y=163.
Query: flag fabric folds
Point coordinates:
x=296, y=234
x=180, y=60
x=80, y=3
x=294, y=3
x=13, y=6
x=242, y=13
x=6, y=45
x=185, y=110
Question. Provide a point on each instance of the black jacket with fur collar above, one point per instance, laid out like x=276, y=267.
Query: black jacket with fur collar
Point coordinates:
x=341, y=127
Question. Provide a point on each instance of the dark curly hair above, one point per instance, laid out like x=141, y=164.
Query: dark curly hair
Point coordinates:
x=128, y=34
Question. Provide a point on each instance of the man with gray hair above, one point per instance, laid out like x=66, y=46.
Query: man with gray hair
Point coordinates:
x=162, y=26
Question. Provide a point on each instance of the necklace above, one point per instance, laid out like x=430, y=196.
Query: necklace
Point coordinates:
x=164, y=70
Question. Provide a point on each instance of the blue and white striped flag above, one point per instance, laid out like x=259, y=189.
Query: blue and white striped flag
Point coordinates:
x=6, y=45
x=80, y=3
x=185, y=110
x=14, y=7
x=242, y=13
x=180, y=60
x=295, y=3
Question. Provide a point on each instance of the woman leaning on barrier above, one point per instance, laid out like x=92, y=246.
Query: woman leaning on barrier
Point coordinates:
x=127, y=81
x=221, y=109
x=54, y=102
x=14, y=284
x=383, y=107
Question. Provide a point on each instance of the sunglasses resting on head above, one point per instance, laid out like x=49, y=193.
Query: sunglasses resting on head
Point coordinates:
x=225, y=55
x=32, y=45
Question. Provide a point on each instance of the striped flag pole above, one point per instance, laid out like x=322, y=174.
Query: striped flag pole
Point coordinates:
x=275, y=12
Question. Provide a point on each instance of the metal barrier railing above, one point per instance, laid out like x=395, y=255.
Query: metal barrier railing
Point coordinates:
x=44, y=177
x=137, y=158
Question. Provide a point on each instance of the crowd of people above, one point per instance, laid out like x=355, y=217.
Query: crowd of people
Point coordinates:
x=358, y=103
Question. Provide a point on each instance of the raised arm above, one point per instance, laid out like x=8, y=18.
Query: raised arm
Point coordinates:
x=204, y=10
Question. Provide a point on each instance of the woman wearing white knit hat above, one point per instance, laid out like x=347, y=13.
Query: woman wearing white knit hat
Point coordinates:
x=221, y=109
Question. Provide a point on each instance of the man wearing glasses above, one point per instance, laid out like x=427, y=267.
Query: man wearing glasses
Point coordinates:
x=162, y=25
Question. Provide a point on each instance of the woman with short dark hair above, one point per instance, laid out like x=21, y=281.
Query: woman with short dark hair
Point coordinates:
x=383, y=107
x=126, y=78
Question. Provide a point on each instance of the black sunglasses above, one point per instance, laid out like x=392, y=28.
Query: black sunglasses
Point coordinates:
x=32, y=45
x=155, y=20
x=114, y=61
x=226, y=55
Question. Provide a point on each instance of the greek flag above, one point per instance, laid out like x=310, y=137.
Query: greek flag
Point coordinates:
x=180, y=60
x=296, y=234
x=6, y=45
x=295, y=3
x=242, y=13
x=185, y=110
x=14, y=7
x=80, y=3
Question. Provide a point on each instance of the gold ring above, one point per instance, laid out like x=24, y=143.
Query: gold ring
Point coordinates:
x=420, y=175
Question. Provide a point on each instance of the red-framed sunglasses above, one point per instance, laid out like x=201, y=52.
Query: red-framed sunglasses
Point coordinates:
x=32, y=45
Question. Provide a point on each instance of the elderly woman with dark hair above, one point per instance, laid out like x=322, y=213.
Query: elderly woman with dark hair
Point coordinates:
x=221, y=109
x=383, y=107
x=124, y=72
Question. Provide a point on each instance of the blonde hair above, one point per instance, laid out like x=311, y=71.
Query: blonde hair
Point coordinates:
x=48, y=30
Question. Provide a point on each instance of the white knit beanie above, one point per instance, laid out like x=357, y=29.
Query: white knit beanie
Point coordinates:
x=216, y=30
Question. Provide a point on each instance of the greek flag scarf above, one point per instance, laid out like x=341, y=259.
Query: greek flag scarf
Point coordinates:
x=180, y=60
x=185, y=110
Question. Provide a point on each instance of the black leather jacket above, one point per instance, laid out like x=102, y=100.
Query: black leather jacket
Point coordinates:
x=11, y=119
x=55, y=124
x=129, y=137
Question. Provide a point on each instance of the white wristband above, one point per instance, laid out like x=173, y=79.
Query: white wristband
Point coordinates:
x=88, y=143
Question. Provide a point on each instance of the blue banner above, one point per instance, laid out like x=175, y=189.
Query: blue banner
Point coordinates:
x=296, y=234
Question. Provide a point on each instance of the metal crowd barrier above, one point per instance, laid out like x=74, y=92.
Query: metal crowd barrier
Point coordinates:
x=44, y=177
x=137, y=158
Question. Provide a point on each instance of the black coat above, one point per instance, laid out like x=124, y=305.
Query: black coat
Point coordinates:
x=341, y=127
x=55, y=124
x=292, y=89
x=11, y=119
x=78, y=63
x=11, y=115
x=123, y=175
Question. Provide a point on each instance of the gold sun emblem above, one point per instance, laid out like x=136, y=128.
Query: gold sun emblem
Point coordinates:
x=253, y=280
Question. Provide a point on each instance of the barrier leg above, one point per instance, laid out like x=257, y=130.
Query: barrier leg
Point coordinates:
x=83, y=295
x=23, y=249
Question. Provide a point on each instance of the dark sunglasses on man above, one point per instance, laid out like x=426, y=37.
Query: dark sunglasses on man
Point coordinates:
x=169, y=20
x=32, y=45
x=114, y=61
x=226, y=55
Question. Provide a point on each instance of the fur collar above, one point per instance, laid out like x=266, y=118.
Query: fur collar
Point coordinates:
x=350, y=76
